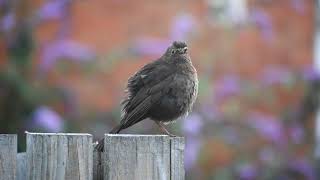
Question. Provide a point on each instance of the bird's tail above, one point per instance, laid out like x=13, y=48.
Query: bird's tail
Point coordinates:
x=100, y=146
x=116, y=129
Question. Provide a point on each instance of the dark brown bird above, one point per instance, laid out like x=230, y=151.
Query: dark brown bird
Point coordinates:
x=162, y=90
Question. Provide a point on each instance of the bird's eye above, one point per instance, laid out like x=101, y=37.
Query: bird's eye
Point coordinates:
x=173, y=51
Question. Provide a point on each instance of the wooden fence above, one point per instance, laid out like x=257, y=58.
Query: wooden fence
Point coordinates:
x=59, y=156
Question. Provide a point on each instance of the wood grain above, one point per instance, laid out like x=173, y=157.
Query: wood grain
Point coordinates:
x=8, y=156
x=147, y=157
x=21, y=166
x=52, y=156
x=177, y=158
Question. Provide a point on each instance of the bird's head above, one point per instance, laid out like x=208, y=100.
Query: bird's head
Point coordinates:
x=177, y=49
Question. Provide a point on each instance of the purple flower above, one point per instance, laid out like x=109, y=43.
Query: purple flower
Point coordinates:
x=275, y=75
x=311, y=74
x=247, y=172
x=296, y=133
x=4, y=3
x=193, y=124
x=193, y=146
x=227, y=86
x=46, y=118
x=304, y=167
x=267, y=155
x=150, y=46
x=268, y=126
x=66, y=49
x=7, y=22
x=54, y=9
x=263, y=21
x=182, y=26
x=209, y=111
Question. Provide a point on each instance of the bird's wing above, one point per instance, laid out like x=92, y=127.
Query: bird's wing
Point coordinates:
x=150, y=75
x=139, y=112
x=143, y=101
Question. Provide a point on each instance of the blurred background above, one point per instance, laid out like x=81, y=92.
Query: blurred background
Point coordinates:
x=64, y=65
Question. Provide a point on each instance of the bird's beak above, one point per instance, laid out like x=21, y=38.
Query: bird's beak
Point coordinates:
x=183, y=50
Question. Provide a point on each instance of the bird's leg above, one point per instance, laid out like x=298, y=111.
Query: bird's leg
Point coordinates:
x=163, y=129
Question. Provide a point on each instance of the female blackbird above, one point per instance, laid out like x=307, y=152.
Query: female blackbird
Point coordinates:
x=162, y=90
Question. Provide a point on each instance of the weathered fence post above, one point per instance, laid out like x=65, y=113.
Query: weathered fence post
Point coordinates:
x=177, y=158
x=148, y=157
x=59, y=156
x=8, y=156
x=21, y=166
x=52, y=156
